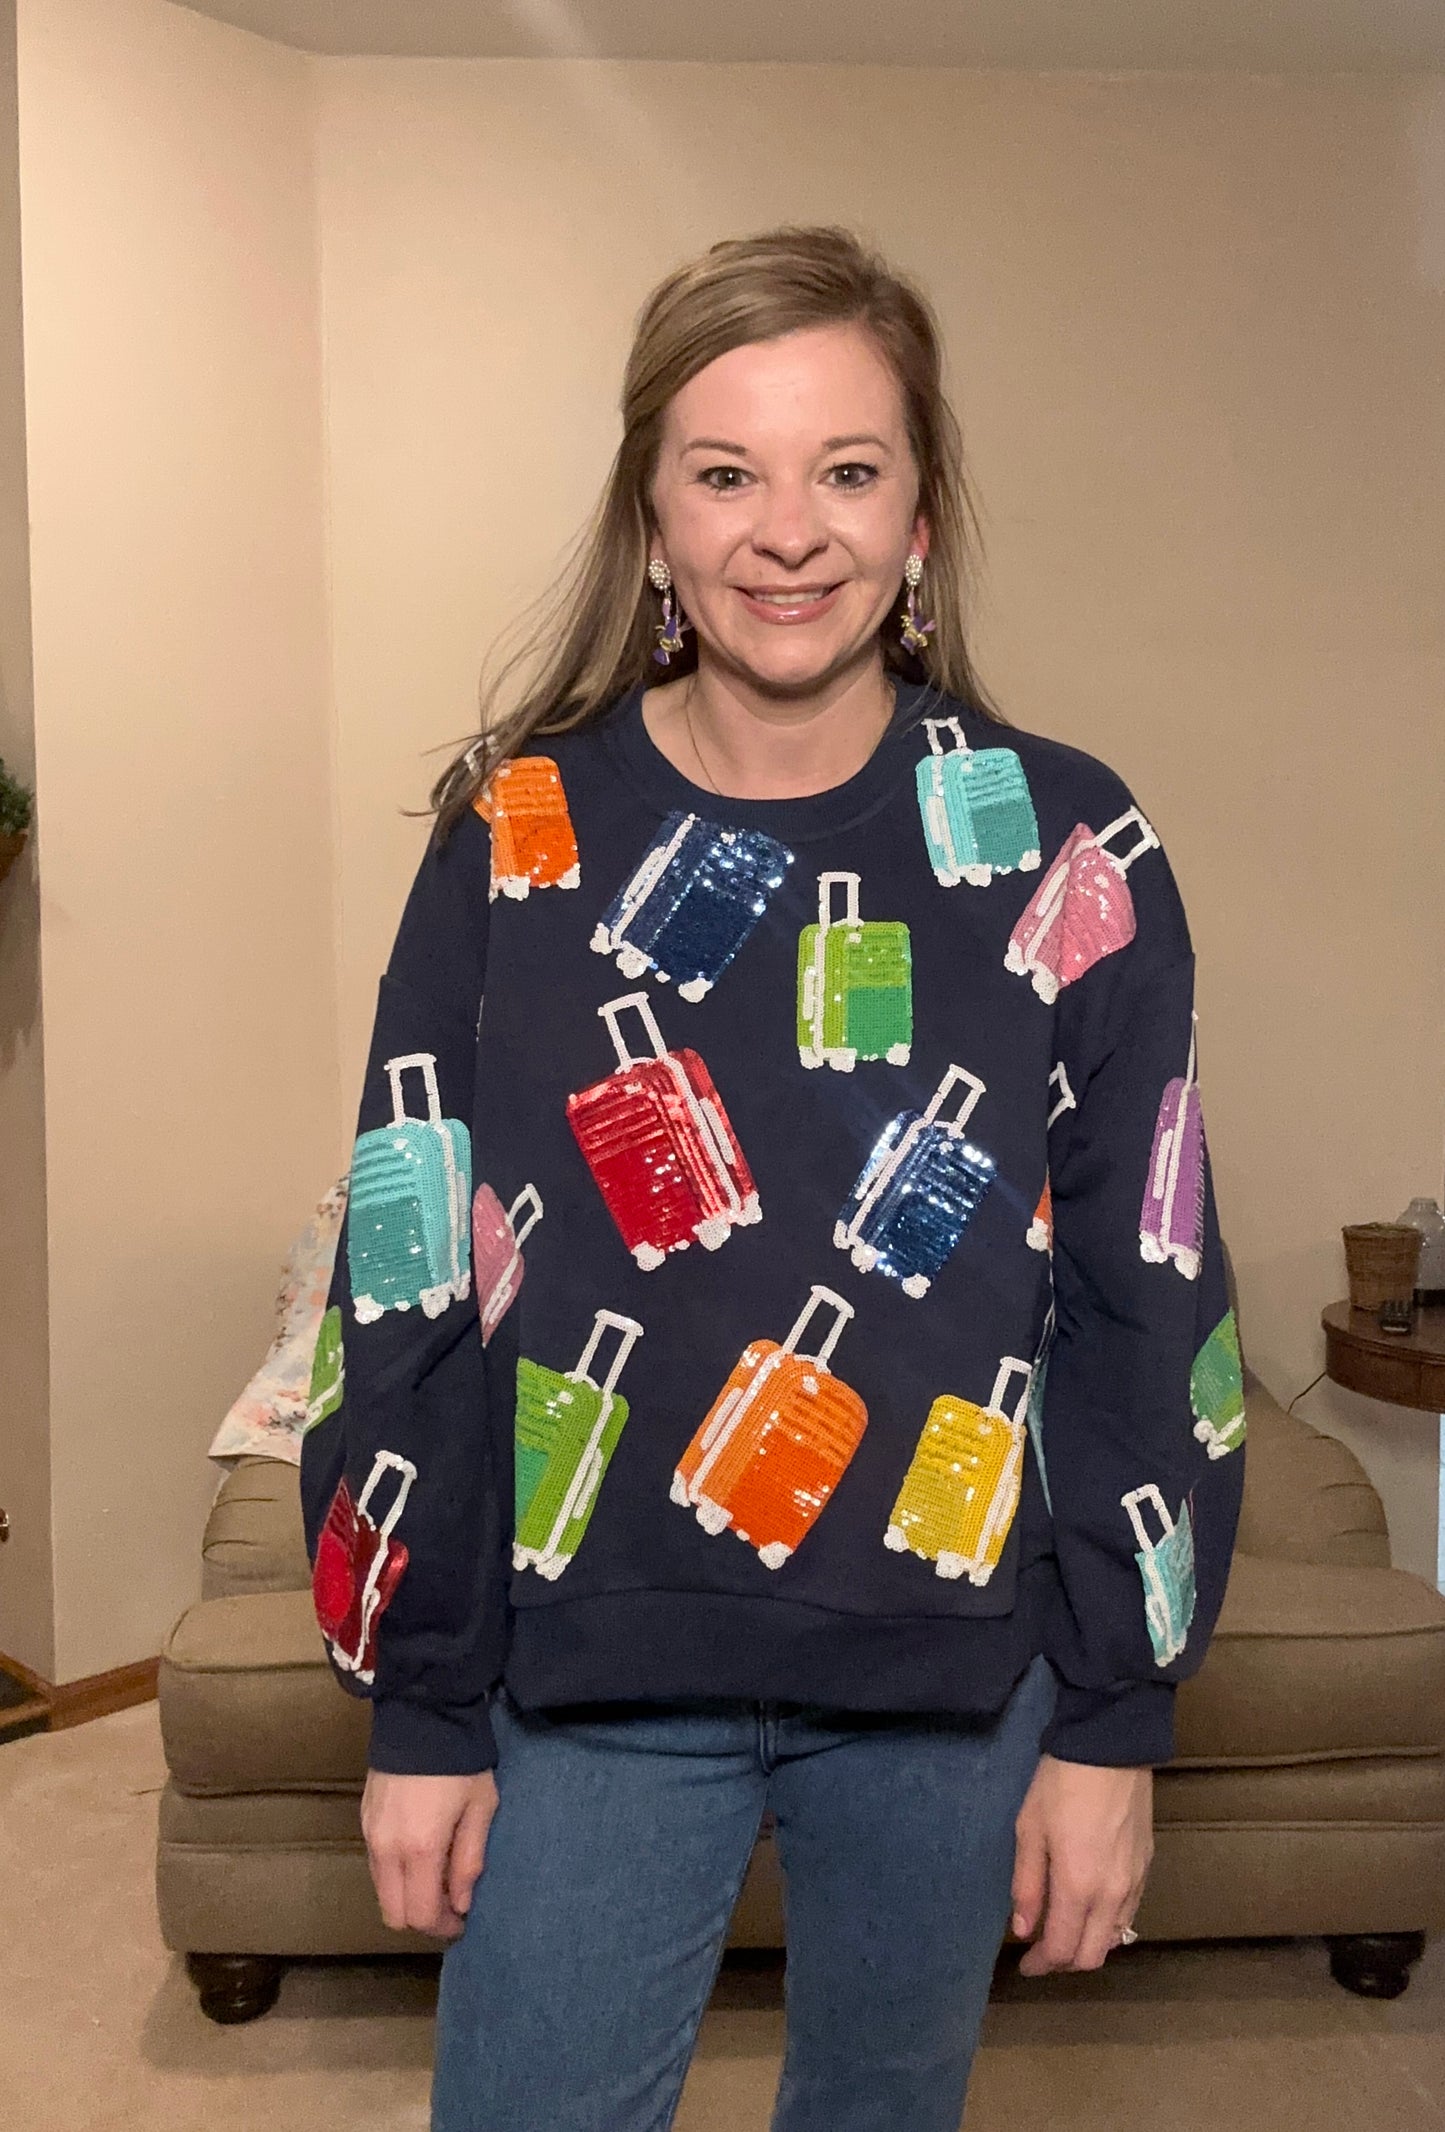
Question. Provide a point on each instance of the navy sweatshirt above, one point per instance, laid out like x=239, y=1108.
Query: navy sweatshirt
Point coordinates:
x=781, y=1258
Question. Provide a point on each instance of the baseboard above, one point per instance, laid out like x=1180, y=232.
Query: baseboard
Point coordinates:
x=75, y=1702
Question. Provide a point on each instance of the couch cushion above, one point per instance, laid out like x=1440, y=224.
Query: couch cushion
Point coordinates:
x=254, y=1539
x=248, y=1700
x=1311, y=1660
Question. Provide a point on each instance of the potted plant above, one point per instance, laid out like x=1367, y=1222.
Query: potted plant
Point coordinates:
x=17, y=805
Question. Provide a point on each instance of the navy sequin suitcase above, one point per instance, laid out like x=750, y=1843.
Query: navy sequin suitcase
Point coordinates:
x=691, y=903
x=917, y=1192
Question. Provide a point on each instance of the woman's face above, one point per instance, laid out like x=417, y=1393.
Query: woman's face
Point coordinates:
x=786, y=501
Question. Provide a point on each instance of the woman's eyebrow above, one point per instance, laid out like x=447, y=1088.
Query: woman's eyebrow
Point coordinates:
x=740, y=451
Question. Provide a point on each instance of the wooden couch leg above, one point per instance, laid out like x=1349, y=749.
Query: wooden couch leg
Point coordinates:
x=235, y=1987
x=1374, y=1964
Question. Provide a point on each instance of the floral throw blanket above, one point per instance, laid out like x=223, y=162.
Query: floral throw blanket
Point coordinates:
x=269, y=1417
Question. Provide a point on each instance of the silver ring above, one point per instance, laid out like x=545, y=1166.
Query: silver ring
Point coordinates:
x=1127, y=1936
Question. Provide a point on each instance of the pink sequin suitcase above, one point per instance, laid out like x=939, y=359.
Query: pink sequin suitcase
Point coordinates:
x=661, y=1147
x=1171, y=1219
x=497, y=1239
x=1082, y=909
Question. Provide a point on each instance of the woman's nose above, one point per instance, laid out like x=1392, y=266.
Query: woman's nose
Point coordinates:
x=790, y=525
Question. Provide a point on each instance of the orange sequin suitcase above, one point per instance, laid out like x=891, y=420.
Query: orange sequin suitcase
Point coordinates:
x=775, y=1443
x=533, y=841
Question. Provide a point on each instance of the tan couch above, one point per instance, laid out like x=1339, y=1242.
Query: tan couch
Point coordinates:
x=1307, y=1794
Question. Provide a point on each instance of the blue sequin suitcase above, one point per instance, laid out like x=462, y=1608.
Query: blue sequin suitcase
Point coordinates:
x=407, y=1221
x=978, y=812
x=917, y=1192
x=692, y=902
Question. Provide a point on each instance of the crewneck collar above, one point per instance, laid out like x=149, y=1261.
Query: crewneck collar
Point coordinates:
x=794, y=820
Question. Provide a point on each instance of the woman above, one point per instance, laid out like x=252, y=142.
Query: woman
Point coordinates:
x=787, y=1361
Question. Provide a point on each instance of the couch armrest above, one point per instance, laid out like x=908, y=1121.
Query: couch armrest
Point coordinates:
x=254, y=1539
x=1307, y=1498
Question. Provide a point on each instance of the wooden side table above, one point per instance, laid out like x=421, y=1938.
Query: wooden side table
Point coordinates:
x=1404, y=1369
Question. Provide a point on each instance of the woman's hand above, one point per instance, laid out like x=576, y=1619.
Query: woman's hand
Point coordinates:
x=1085, y=1839
x=426, y=1839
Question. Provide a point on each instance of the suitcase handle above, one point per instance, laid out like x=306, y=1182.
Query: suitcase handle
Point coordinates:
x=643, y=1005
x=406, y=1469
x=825, y=899
x=845, y=1312
x=960, y=747
x=1006, y=1369
x=631, y=1333
x=1147, y=839
x=395, y=1068
x=1131, y=1502
x=976, y=1088
x=647, y=876
x=1067, y=1099
x=530, y=1193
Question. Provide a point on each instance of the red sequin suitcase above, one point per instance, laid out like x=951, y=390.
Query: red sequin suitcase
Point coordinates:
x=661, y=1147
x=359, y=1565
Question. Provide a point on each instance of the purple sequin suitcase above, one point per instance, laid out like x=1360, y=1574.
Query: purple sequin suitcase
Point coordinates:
x=1171, y=1218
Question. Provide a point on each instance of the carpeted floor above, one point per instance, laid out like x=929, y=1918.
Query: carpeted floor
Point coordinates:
x=100, y=2032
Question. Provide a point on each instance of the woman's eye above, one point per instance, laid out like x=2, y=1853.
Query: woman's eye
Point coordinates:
x=853, y=474
x=721, y=477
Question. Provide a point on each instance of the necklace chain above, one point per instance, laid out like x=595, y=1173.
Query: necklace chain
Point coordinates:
x=713, y=784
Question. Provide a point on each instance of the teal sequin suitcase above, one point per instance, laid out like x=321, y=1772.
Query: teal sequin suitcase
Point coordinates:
x=1166, y=1566
x=408, y=1229
x=978, y=812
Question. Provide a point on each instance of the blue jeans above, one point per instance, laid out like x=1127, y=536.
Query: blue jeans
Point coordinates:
x=572, y=2001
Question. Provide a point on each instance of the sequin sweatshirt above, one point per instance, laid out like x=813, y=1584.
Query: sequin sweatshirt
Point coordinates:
x=781, y=1259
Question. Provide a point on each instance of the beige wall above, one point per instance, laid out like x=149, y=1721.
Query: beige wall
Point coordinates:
x=1195, y=326
x=26, y=1595
x=182, y=738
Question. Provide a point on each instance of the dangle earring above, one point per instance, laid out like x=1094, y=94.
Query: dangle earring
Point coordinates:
x=915, y=633
x=669, y=635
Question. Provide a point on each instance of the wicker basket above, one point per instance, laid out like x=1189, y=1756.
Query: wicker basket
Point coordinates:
x=1381, y=1258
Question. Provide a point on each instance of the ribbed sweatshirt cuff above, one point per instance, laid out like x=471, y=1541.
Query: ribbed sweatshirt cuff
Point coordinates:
x=1117, y=1728
x=429, y=1740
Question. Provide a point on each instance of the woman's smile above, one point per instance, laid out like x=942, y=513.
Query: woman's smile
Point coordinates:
x=789, y=604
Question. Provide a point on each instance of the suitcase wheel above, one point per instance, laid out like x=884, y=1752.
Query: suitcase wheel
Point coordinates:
x=980, y=876
x=648, y=1257
x=695, y=989
x=950, y=1565
x=899, y=1054
x=1013, y=960
x=366, y=1308
x=630, y=962
x=1188, y=1264
x=571, y=879
x=601, y=940
x=809, y=1058
x=435, y=1300
x=896, y=1538
x=1046, y=985
x=750, y=1211
x=517, y=886
x=710, y=1515
x=917, y=1284
x=1038, y=1237
x=1030, y=861
x=865, y=1258
x=774, y=1555
x=1151, y=1250
x=552, y=1566
x=842, y=1061
x=677, y=1492
x=712, y=1234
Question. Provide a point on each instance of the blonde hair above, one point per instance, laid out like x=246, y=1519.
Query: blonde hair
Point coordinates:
x=592, y=634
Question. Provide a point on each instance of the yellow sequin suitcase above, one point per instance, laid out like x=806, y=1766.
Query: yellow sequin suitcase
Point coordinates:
x=961, y=1489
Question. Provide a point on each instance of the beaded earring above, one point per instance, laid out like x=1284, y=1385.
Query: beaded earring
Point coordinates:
x=915, y=633
x=669, y=635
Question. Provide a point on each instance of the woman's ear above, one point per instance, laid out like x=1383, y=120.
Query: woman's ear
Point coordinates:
x=921, y=536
